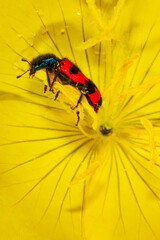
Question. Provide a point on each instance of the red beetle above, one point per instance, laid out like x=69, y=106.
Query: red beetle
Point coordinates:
x=68, y=74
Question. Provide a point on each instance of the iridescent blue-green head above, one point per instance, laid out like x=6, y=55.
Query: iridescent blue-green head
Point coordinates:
x=45, y=61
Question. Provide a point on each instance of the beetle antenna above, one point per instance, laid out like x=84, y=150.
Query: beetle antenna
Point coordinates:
x=25, y=60
x=22, y=74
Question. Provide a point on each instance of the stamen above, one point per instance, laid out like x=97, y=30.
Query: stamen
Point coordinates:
x=152, y=144
x=117, y=12
x=96, y=14
x=144, y=87
x=118, y=79
x=99, y=38
x=107, y=32
x=82, y=177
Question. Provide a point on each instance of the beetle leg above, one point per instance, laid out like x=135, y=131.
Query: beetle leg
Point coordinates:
x=57, y=94
x=79, y=100
x=51, y=85
x=48, y=79
x=83, y=92
x=78, y=118
x=45, y=88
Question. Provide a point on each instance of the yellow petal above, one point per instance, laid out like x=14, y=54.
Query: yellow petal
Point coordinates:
x=42, y=153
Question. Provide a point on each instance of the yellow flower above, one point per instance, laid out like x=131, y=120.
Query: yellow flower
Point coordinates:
x=63, y=182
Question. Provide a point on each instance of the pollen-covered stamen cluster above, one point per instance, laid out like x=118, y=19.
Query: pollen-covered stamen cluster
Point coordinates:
x=115, y=92
x=107, y=34
x=111, y=111
x=120, y=112
x=107, y=31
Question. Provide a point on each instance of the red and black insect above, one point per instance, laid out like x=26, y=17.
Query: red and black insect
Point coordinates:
x=68, y=74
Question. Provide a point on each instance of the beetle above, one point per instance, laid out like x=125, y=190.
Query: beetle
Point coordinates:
x=66, y=73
